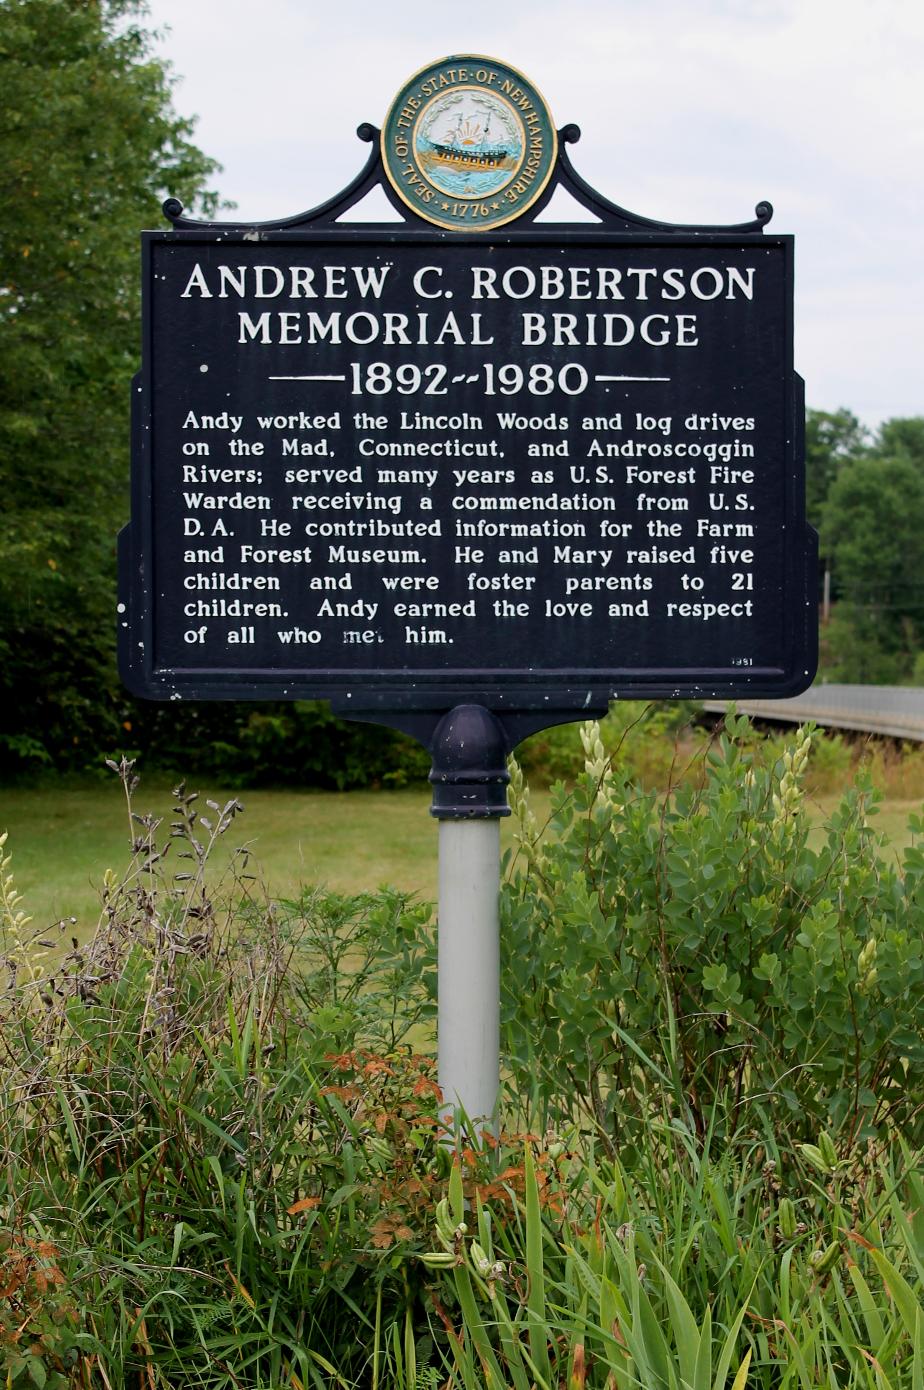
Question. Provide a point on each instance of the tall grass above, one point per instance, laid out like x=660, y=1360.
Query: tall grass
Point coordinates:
x=701, y=1271
x=221, y=1165
x=213, y=1118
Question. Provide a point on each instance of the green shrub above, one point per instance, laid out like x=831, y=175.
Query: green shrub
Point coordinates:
x=38, y=1319
x=216, y=1116
x=830, y=765
x=697, y=942
x=651, y=742
x=299, y=744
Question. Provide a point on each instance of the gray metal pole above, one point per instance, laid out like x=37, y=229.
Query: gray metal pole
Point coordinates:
x=469, y=778
x=469, y=968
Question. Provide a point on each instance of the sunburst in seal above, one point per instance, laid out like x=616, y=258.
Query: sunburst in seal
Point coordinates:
x=469, y=143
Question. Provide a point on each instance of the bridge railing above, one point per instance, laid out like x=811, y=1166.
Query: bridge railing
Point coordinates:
x=893, y=710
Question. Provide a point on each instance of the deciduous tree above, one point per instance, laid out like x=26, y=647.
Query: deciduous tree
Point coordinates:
x=89, y=146
x=873, y=531
x=831, y=438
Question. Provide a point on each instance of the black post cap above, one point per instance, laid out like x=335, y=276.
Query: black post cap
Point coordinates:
x=469, y=772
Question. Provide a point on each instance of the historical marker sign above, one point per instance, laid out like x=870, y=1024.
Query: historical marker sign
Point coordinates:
x=518, y=463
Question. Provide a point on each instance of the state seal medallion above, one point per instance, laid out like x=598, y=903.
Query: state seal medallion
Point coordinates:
x=469, y=143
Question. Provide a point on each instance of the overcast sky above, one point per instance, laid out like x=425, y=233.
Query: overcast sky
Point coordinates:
x=691, y=111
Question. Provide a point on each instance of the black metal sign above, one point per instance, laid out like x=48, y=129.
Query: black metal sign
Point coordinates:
x=532, y=467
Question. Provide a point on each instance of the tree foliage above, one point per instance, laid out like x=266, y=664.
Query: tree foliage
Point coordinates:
x=873, y=530
x=89, y=147
x=902, y=438
x=831, y=439
x=865, y=494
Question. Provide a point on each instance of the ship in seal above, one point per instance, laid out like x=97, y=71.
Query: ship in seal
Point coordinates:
x=470, y=147
x=469, y=143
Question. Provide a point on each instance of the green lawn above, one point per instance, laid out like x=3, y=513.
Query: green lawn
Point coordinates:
x=62, y=841
x=891, y=820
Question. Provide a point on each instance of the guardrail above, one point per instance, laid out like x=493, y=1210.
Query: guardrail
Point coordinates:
x=893, y=710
